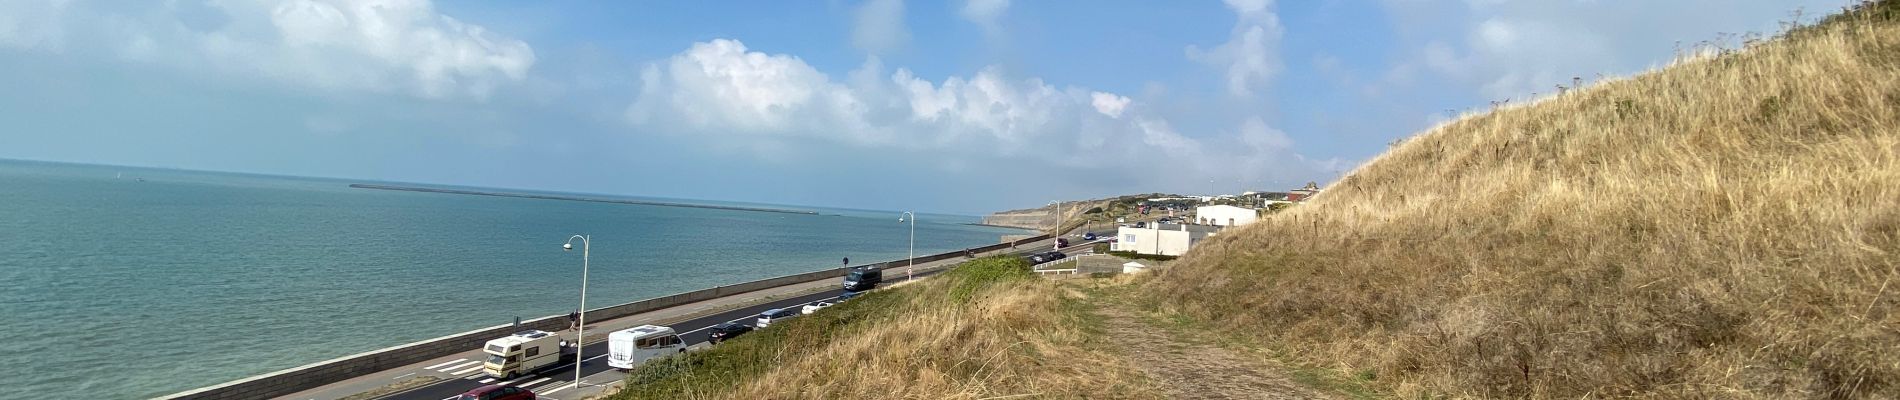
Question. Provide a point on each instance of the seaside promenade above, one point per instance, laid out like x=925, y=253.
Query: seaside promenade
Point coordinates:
x=445, y=376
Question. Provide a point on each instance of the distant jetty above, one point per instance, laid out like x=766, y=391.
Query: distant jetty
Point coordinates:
x=572, y=198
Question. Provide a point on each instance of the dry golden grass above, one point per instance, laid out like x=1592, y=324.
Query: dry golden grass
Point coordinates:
x=988, y=329
x=1726, y=227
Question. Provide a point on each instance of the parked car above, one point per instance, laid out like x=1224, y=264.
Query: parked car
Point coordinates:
x=766, y=318
x=1088, y=236
x=725, y=331
x=497, y=392
x=809, y=308
x=1057, y=255
x=1038, y=258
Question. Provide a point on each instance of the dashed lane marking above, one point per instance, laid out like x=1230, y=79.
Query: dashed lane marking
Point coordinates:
x=535, y=382
x=457, y=366
x=446, y=363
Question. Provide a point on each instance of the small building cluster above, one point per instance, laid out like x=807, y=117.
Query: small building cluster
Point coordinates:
x=1175, y=235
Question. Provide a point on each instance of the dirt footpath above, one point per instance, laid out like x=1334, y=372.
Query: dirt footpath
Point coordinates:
x=1187, y=367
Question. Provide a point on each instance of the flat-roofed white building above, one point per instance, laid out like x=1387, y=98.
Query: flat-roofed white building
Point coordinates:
x=1225, y=215
x=1161, y=239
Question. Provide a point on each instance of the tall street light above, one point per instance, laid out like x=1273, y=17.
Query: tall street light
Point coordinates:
x=581, y=324
x=913, y=243
x=1058, y=227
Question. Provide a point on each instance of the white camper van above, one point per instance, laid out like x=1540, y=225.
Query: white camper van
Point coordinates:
x=630, y=348
x=525, y=352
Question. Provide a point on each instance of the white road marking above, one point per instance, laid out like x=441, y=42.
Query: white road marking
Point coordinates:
x=470, y=369
x=534, y=382
x=457, y=366
x=555, y=389
x=594, y=357
x=446, y=363
x=403, y=375
x=486, y=380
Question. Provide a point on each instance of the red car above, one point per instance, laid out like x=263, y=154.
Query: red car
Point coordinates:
x=497, y=392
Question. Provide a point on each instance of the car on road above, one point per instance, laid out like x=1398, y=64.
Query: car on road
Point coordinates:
x=1062, y=242
x=727, y=331
x=1039, y=258
x=861, y=279
x=813, y=307
x=1088, y=236
x=766, y=318
x=496, y=392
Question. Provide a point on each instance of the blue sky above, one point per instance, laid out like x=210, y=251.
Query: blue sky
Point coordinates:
x=956, y=106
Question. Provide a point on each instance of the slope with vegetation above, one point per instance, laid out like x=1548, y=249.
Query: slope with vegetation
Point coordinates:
x=1725, y=227
x=986, y=329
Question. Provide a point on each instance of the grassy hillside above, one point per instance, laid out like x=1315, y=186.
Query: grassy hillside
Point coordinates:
x=986, y=329
x=1726, y=227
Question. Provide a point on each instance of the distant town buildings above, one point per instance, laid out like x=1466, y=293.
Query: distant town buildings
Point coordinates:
x=1304, y=193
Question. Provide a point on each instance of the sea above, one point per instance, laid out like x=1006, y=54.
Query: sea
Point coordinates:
x=122, y=282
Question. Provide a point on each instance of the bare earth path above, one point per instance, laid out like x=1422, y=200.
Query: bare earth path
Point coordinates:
x=1189, y=367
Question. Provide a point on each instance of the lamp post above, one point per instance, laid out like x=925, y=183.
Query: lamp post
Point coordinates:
x=1058, y=218
x=913, y=243
x=581, y=324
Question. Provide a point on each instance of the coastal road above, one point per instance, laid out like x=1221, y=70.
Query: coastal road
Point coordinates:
x=461, y=372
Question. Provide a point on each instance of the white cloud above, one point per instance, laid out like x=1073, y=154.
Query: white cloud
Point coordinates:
x=735, y=97
x=1248, y=58
x=1504, y=50
x=1108, y=104
x=986, y=13
x=1264, y=139
x=880, y=26
x=30, y=24
x=402, y=46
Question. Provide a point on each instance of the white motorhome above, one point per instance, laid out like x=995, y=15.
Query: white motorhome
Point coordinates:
x=630, y=348
x=525, y=352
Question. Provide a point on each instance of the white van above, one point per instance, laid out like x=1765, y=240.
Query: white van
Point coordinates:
x=523, y=353
x=630, y=348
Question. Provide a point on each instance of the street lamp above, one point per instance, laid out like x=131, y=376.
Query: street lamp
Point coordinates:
x=581, y=324
x=913, y=243
x=1058, y=219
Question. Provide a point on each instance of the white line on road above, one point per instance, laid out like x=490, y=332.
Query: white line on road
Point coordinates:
x=457, y=366
x=534, y=382
x=563, y=387
x=446, y=363
x=470, y=369
x=486, y=380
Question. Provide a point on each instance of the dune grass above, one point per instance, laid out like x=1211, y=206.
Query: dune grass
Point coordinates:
x=1724, y=227
x=986, y=328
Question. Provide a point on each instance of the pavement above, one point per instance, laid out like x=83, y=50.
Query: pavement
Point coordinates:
x=454, y=374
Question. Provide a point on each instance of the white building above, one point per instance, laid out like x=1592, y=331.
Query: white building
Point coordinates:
x=1161, y=239
x=1225, y=215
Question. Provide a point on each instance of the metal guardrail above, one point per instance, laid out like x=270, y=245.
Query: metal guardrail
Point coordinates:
x=1077, y=259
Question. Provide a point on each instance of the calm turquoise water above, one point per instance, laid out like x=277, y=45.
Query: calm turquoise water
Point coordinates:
x=116, y=288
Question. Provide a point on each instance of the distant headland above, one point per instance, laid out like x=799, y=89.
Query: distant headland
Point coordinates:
x=572, y=198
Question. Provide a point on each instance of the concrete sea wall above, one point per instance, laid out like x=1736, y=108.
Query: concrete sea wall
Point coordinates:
x=326, y=372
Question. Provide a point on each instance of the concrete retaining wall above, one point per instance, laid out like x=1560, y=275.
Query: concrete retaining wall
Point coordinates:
x=323, y=373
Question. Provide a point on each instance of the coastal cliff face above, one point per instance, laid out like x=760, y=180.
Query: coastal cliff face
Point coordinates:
x=1041, y=217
